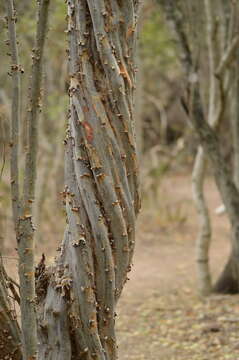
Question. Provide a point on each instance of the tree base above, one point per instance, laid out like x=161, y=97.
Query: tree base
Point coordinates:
x=228, y=282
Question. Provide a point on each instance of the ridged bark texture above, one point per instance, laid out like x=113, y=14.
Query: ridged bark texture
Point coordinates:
x=77, y=298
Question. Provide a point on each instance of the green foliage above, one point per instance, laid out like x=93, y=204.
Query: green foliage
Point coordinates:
x=156, y=45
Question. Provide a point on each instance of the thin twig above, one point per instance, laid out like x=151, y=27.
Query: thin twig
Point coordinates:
x=212, y=61
x=227, y=57
x=15, y=294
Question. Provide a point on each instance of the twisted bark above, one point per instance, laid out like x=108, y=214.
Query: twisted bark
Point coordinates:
x=77, y=298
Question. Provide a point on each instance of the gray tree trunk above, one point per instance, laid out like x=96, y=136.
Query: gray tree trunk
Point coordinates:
x=77, y=297
x=228, y=282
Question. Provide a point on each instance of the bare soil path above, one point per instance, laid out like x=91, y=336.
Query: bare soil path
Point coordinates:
x=160, y=314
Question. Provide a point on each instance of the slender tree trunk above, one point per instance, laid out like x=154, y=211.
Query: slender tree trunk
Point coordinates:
x=77, y=299
x=204, y=236
x=235, y=122
x=228, y=282
x=22, y=203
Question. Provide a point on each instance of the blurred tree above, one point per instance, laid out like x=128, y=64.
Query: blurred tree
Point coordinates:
x=208, y=101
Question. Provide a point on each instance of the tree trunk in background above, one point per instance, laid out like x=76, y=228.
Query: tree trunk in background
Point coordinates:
x=222, y=46
x=77, y=297
x=228, y=282
x=235, y=122
x=204, y=236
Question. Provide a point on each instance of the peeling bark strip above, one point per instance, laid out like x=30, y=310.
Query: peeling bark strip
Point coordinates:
x=77, y=299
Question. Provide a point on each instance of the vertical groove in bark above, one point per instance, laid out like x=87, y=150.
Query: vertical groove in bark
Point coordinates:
x=101, y=191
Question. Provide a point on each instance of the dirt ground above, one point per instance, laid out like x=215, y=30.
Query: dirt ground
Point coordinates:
x=161, y=315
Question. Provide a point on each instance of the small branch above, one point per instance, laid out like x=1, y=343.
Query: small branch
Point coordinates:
x=212, y=61
x=15, y=116
x=14, y=282
x=227, y=57
x=175, y=18
x=16, y=297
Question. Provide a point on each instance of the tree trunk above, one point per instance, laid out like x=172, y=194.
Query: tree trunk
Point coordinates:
x=77, y=297
x=204, y=235
x=222, y=47
x=228, y=282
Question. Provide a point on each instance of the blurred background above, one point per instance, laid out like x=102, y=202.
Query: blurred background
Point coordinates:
x=164, y=139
